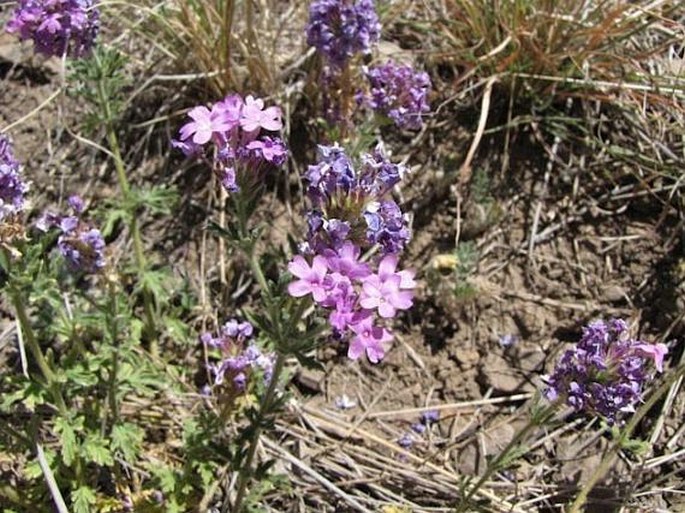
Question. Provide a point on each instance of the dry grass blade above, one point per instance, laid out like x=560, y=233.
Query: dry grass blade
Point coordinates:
x=234, y=44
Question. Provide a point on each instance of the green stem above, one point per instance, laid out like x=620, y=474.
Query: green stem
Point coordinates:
x=495, y=464
x=264, y=411
x=125, y=186
x=31, y=342
x=258, y=273
x=266, y=405
x=611, y=455
x=113, y=326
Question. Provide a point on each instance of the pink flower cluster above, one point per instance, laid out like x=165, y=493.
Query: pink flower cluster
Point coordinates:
x=238, y=136
x=338, y=281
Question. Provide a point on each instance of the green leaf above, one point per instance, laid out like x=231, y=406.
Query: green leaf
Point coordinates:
x=95, y=449
x=83, y=498
x=158, y=200
x=67, y=436
x=637, y=447
x=113, y=215
x=30, y=394
x=32, y=469
x=127, y=438
x=167, y=478
x=178, y=330
x=174, y=507
x=207, y=471
x=81, y=375
x=158, y=282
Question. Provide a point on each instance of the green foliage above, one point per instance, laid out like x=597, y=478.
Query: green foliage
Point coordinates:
x=466, y=256
x=100, y=81
x=87, y=337
x=83, y=499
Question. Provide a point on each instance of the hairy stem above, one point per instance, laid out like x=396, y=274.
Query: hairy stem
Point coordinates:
x=113, y=326
x=265, y=407
x=31, y=342
x=124, y=185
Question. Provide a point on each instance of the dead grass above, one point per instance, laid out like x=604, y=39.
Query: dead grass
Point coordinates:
x=234, y=45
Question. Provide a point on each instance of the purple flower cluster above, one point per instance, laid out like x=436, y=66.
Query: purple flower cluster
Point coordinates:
x=82, y=246
x=241, y=134
x=353, y=211
x=57, y=27
x=399, y=92
x=355, y=205
x=239, y=359
x=606, y=372
x=12, y=187
x=339, y=29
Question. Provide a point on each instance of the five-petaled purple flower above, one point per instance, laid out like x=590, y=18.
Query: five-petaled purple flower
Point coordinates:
x=368, y=338
x=606, y=372
x=352, y=210
x=311, y=278
x=384, y=292
x=57, y=27
x=237, y=137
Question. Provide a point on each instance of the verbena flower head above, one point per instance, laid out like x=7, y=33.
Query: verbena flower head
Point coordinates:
x=399, y=92
x=237, y=136
x=81, y=245
x=353, y=202
x=57, y=27
x=427, y=419
x=340, y=29
x=607, y=371
x=13, y=188
x=352, y=211
x=240, y=358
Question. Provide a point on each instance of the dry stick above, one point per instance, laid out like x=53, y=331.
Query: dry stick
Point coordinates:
x=538, y=207
x=675, y=387
x=465, y=169
x=33, y=112
x=660, y=460
x=313, y=474
x=452, y=406
x=503, y=504
x=381, y=464
x=599, y=84
x=50, y=480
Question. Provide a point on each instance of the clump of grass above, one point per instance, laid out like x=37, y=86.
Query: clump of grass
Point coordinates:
x=235, y=44
x=532, y=45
